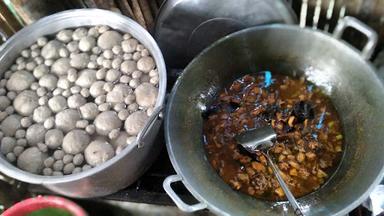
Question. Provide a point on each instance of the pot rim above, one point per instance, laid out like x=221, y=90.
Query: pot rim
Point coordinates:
x=339, y=43
x=12, y=170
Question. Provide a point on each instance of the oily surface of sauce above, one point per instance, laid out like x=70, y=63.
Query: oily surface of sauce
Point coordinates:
x=309, y=136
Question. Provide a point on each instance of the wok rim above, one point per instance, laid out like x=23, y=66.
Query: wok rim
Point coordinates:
x=340, y=45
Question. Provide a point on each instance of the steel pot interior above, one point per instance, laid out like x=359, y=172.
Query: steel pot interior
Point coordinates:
x=337, y=68
x=127, y=166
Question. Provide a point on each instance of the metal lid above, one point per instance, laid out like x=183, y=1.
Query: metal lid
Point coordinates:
x=185, y=27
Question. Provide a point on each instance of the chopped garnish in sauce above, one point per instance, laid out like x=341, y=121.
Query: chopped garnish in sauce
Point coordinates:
x=309, y=136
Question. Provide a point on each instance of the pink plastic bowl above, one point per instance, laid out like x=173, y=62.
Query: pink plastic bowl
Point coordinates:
x=33, y=204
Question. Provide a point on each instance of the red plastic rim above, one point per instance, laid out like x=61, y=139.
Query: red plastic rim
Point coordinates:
x=36, y=203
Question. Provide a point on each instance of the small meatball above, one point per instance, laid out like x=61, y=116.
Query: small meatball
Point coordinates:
x=87, y=43
x=75, y=141
x=129, y=45
x=97, y=88
x=128, y=67
x=51, y=49
x=120, y=140
x=7, y=145
x=10, y=125
x=72, y=75
x=58, y=154
x=112, y=75
x=146, y=95
x=41, y=113
x=98, y=152
x=58, y=165
x=49, y=162
x=57, y=103
x=48, y=81
x=64, y=35
x=104, y=107
x=90, y=129
x=42, y=147
x=75, y=101
x=67, y=159
x=100, y=74
x=79, y=61
x=82, y=124
x=68, y=168
x=106, y=121
x=73, y=47
x=61, y=66
x=79, y=33
x=134, y=83
x=136, y=74
x=20, y=80
x=123, y=114
x=146, y=64
x=89, y=111
x=35, y=134
x=109, y=39
x=26, y=102
x=18, y=150
x=41, y=41
x=49, y=123
x=32, y=160
x=86, y=78
x=78, y=159
x=114, y=133
x=54, y=138
x=47, y=171
x=76, y=170
x=135, y=122
x=64, y=83
x=40, y=71
x=66, y=119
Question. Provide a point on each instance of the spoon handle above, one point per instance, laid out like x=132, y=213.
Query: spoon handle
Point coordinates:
x=288, y=194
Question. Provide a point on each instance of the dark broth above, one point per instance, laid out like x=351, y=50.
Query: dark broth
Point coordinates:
x=309, y=136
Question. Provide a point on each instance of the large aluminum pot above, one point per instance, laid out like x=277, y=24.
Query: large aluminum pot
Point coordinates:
x=127, y=166
x=342, y=71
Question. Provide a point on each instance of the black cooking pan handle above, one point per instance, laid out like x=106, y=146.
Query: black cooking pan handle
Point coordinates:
x=371, y=34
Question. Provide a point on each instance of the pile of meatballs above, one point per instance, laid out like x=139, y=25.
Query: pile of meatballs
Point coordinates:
x=74, y=100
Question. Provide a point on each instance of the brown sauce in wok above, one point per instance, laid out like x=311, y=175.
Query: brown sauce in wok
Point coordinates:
x=309, y=136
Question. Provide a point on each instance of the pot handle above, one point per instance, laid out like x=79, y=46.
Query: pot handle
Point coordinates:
x=371, y=34
x=155, y=118
x=179, y=203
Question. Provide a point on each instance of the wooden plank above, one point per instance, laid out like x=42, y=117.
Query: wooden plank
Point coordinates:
x=125, y=8
x=138, y=14
x=146, y=10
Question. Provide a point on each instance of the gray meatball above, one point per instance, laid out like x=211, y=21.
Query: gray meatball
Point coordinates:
x=32, y=160
x=7, y=145
x=66, y=119
x=146, y=95
x=10, y=125
x=61, y=66
x=51, y=49
x=35, y=134
x=107, y=121
x=54, y=138
x=57, y=103
x=20, y=80
x=89, y=111
x=109, y=39
x=75, y=141
x=98, y=152
x=41, y=113
x=26, y=102
x=135, y=122
x=86, y=78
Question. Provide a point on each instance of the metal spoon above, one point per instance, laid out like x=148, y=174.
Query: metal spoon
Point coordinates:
x=262, y=139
